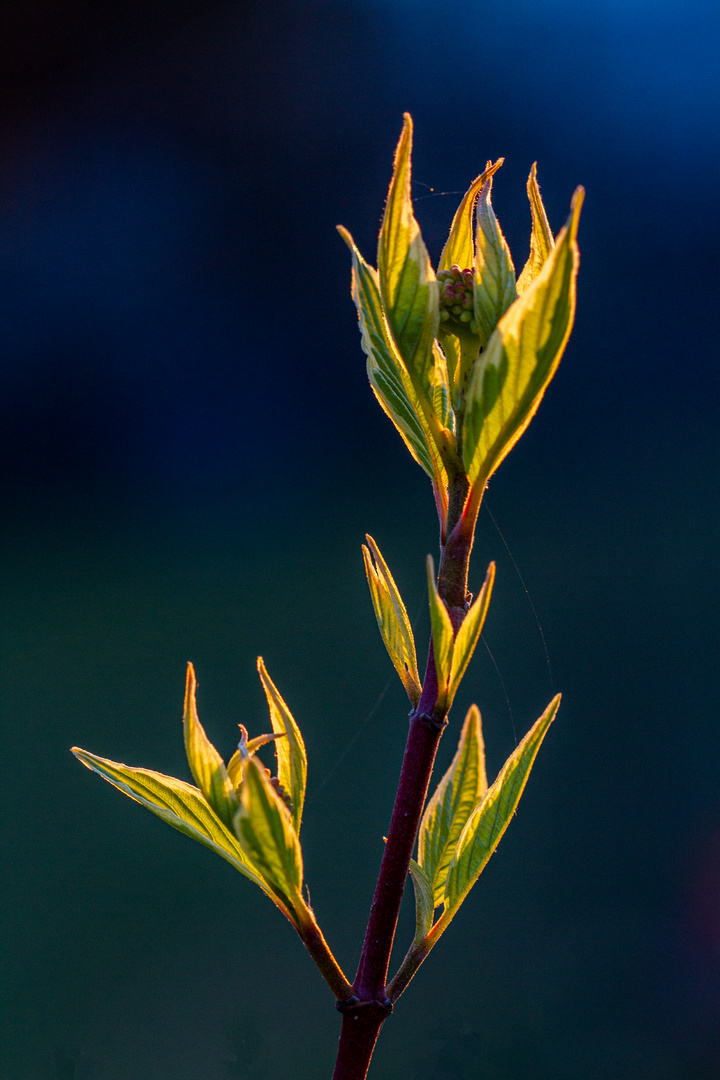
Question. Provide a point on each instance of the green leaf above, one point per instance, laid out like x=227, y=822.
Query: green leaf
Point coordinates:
x=407, y=282
x=424, y=907
x=442, y=635
x=469, y=633
x=510, y=377
x=392, y=620
x=441, y=398
x=460, y=247
x=494, y=290
x=456, y=796
x=541, y=238
x=290, y=751
x=391, y=381
x=177, y=803
x=264, y=827
x=491, y=817
x=206, y=765
x=388, y=376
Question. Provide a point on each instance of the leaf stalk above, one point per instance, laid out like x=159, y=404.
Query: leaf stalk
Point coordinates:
x=315, y=943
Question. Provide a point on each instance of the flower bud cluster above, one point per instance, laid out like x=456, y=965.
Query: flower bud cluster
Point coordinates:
x=456, y=296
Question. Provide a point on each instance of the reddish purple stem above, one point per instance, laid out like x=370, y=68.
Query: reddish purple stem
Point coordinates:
x=363, y=1018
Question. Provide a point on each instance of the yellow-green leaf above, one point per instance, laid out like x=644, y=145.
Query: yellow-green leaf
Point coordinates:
x=179, y=804
x=491, y=817
x=511, y=375
x=407, y=281
x=441, y=396
x=460, y=247
x=442, y=635
x=455, y=798
x=494, y=290
x=290, y=751
x=392, y=619
x=265, y=830
x=388, y=376
x=541, y=238
x=206, y=765
x=469, y=633
x=424, y=906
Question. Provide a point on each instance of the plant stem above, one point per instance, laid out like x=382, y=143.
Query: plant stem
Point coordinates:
x=316, y=945
x=361, y=1025
x=362, y=1021
x=415, y=957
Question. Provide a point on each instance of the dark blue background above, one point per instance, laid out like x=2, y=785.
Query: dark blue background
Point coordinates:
x=190, y=459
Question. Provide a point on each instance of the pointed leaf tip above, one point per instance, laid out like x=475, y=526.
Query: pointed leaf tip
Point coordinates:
x=206, y=764
x=392, y=619
x=290, y=752
x=576, y=205
x=494, y=287
x=522, y=355
x=344, y=233
x=542, y=241
x=460, y=246
x=180, y=805
x=486, y=825
x=407, y=281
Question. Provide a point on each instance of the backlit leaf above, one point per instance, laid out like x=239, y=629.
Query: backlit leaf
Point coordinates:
x=424, y=906
x=469, y=633
x=290, y=751
x=491, y=817
x=206, y=765
x=455, y=798
x=392, y=619
x=179, y=804
x=442, y=634
x=494, y=289
x=441, y=398
x=541, y=237
x=511, y=375
x=407, y=281
x=460, y=247
x=265, y=830
x=388, y=377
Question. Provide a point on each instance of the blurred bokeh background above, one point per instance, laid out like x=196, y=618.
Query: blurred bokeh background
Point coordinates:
x=190, y=459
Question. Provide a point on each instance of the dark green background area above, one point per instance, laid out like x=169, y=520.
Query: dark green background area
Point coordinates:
x=190, y=457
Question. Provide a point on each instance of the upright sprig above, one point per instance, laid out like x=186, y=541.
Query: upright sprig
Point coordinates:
x=459, y=360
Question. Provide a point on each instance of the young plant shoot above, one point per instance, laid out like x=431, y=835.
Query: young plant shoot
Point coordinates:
x=459, y=360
